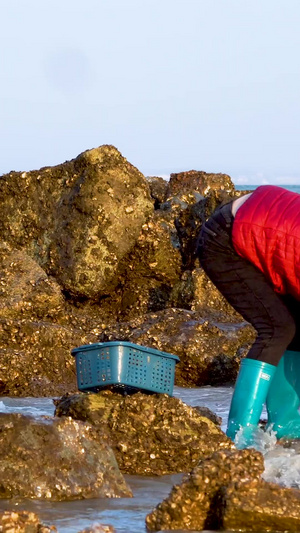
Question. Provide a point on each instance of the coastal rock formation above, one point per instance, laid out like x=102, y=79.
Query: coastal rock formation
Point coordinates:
x=91, y=249
x=57, y=460
x=194, y=504
x=149, y=434
x=226, y=492
x=259, y=506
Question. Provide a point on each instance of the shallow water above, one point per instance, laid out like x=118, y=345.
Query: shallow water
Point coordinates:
x=127, y=515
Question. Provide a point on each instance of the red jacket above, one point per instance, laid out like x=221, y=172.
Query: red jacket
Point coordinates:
x=266, y=231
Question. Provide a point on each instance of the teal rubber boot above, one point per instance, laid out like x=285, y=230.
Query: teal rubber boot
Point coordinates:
x=283, y=398
x=250, y=393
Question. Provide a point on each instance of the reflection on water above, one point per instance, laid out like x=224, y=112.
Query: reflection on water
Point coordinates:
x=127, y=515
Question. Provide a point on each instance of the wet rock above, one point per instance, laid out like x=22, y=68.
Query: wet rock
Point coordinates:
x=194, y=504
x=98, y=528
x=22, y=522
x=259, y=506
x=150, y=434
x=209, y=348
x=204, y=411
x=56, y=460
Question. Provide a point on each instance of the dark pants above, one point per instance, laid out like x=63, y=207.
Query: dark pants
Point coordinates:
x=275, y=318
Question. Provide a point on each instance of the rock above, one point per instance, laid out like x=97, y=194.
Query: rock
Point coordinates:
x=199, y=181
x=36, y=357
x=22, y=522
x=192, y=197
x=98, y=222
x=25, y=288
x=204, y=411
x=259, y=506
x=158, y=189
x=57, y=460
x=150, y=434
x=208, y=300
x=194, y=504
x=150, y=271
x=77, y=219
x=209, y=348
x=98, y=528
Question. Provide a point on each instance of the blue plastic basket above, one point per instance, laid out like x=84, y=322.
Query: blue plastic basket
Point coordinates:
x=124, y=366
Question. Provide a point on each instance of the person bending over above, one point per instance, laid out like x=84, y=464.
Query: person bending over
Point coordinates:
x=250, y=249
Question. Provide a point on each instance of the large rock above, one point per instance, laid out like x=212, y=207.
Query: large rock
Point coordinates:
x=225, y=492
x=77, y=219
x=194, y=504
x=259, y=506
x=150, y=434
x=56, y=460
x=98, y=222
x=210, y=348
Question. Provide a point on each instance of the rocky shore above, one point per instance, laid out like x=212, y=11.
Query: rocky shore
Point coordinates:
x=93, y=251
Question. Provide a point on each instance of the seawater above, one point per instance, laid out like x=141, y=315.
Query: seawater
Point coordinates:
x=127, y=515
x=293, y=188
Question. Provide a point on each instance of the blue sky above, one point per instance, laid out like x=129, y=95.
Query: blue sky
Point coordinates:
x=209, y=85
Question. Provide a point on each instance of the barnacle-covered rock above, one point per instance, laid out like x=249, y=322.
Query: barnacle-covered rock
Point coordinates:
x=150, y=271
x=36, y=357
x=23, y=522
x=209, y=347
x=194, y=504
x=150, y=434
x=77, y=219
x=25, y=288
x=201, y=182
x=259, y=506
x=208, y=299
x=98, y=222
x=58, y=459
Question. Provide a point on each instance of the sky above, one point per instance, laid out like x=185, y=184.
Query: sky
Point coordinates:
x=175, y=85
